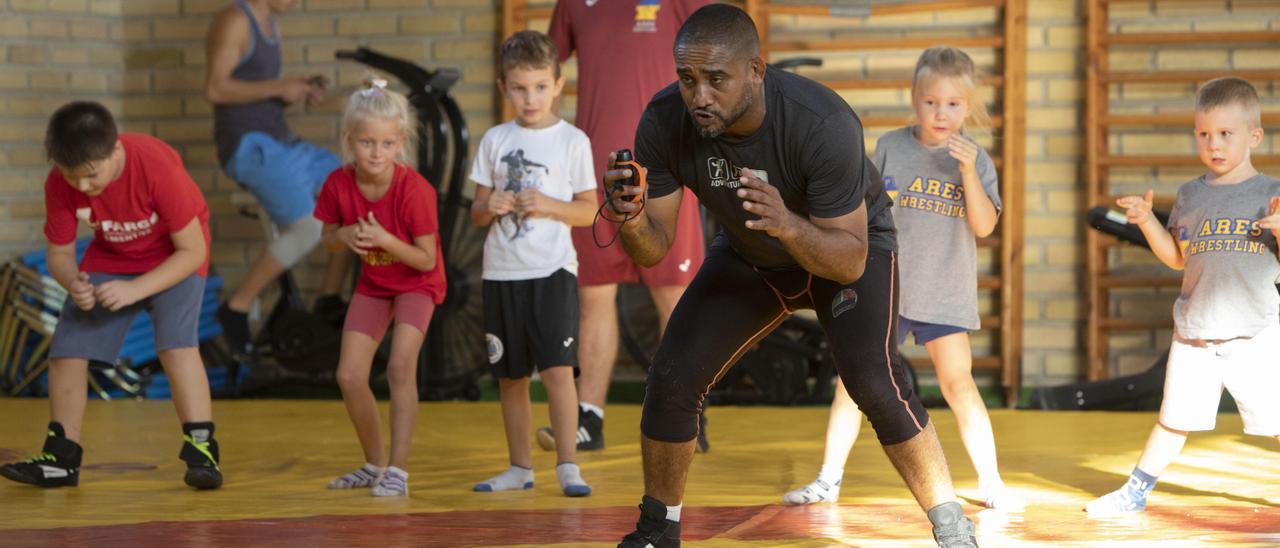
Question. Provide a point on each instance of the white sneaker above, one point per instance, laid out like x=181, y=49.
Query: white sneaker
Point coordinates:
x=999, y=497
x=1115, y=503
x=817, y=491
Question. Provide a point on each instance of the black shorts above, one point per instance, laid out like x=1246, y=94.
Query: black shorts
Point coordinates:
x=731, y=305
x=531, y=323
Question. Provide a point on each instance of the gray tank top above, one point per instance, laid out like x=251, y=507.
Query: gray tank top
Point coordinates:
x=262, y=62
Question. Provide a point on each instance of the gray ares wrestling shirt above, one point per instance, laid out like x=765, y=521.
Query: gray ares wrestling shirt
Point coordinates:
x=1228, y=285
x=936, y=247
x=809, y=146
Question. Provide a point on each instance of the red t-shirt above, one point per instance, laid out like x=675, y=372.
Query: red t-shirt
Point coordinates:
x=407, y=210
x=135, y=214
x=624, y=58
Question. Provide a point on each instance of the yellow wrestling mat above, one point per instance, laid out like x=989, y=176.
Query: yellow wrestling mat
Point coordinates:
x=279, y=455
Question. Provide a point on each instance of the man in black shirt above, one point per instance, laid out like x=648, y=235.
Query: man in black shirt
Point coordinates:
x=778, y=160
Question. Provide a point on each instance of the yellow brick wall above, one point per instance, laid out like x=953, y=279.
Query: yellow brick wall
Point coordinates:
x=1055, y=304
x=144, y=59
x=896, y=64
x=1135, y=351
x=39, y=68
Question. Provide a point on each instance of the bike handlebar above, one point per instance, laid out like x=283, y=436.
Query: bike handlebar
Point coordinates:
x=798, y=62
x=414, y=76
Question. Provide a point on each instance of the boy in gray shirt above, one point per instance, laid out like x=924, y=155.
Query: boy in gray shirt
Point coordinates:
x=1222, y=233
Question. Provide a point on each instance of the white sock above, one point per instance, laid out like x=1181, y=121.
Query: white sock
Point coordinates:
x=592, y=408
x=673, y=512
x=831, y=474
x=515, y=477
x=571, y=481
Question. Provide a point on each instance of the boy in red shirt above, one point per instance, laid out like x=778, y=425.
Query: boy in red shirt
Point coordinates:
x=150, y=250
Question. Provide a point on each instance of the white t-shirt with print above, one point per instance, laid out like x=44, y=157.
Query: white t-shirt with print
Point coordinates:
x=556, y=160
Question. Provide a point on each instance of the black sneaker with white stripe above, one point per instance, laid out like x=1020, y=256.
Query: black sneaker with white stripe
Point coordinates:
x=590, y=430
x=57, y=465
x=590, y=433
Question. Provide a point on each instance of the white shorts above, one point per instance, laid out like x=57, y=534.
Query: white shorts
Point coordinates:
x=1248, y=368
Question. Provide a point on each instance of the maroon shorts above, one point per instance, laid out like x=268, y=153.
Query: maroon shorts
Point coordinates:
x=372, y=315
x=611, y=265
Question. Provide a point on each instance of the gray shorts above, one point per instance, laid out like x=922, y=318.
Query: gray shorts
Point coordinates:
x=99, y=333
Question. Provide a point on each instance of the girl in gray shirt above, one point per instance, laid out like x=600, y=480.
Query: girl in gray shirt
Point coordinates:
x=944, y=188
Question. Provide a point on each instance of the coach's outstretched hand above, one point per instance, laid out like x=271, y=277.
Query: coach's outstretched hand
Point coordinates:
x=764, y=200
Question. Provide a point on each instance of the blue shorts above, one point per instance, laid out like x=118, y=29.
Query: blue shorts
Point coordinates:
x=925, y=332
x=99, y=333
x=284, y=177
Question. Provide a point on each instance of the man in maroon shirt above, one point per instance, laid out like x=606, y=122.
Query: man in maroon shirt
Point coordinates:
x=623, y=59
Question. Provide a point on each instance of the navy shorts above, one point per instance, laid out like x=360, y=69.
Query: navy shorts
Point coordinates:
x=531, y=324
x=97, y=334
x=925, y=332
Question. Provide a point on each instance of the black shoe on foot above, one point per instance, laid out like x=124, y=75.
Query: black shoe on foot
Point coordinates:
x=200, y=452
x=951, y=529
x=57, y=465
x=653, y=529
x=703, y=444
x=235, y=330
x=203, y=477
x=590, y=431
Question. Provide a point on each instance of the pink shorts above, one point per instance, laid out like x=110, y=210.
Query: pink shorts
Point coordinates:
x=611, y=265
x=372, y=315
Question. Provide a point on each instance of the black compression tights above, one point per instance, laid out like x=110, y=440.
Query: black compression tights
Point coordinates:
x=731, y=305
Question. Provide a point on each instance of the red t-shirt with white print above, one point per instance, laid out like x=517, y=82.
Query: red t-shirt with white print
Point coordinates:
x=134, y=216
x=407, y=210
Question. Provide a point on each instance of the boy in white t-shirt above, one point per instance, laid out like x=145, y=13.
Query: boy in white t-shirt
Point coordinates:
x=535, y=180
x=1222, y=235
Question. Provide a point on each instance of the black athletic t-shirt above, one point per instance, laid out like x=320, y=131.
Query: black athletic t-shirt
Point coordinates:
x=809, y=146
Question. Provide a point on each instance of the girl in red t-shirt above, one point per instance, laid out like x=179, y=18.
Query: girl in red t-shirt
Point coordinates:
x=385, y=212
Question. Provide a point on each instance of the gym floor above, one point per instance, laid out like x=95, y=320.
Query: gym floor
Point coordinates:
x=278, y=455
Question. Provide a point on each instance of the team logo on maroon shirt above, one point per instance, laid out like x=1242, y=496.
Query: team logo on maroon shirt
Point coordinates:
x=646, y=15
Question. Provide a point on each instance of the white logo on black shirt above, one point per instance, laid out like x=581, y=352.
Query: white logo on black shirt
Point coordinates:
x=724, y=173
